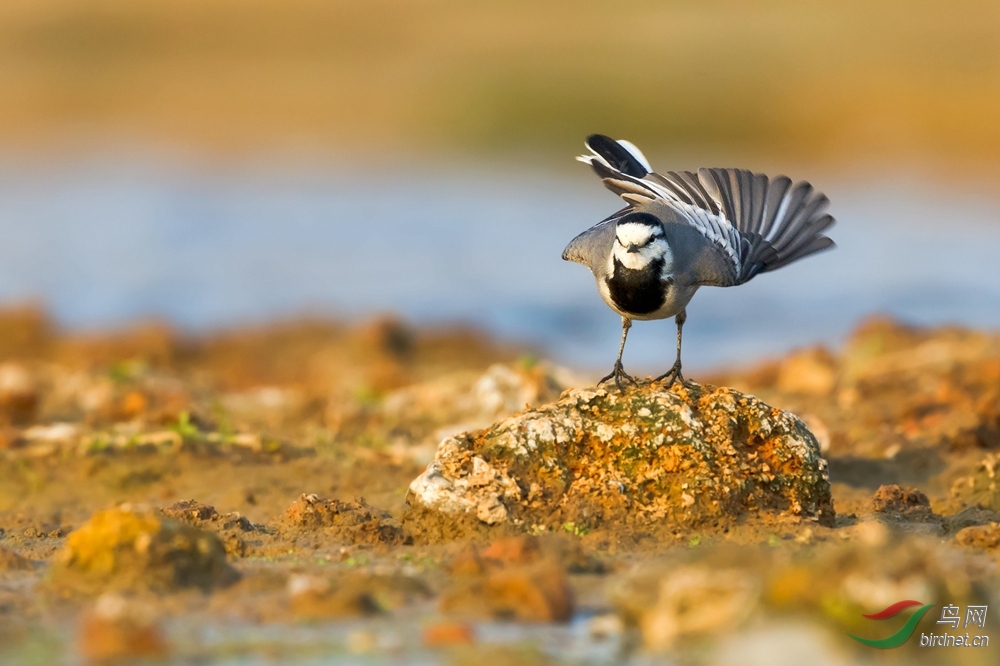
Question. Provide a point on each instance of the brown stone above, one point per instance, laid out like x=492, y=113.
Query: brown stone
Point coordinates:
x=128, y=547
x=19, y=394
x=351, y=594
x=535, y=593
x=356, y=522
x=315, y=597
x=895, y=499
x=232, y=528
x=11, y=561
x=444, y=634
x=190, y=511
x=522, y=549
x=980, y=536
x=808, y=372
x=114, y=633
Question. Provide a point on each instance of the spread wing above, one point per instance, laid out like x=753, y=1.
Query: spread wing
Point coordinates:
x=752, y=223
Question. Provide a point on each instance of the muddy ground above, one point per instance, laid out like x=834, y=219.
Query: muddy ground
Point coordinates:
x=242, y=498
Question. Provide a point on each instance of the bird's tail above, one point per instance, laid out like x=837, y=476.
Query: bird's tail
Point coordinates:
x=619, y=156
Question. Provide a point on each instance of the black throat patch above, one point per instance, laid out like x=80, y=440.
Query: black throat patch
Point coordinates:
x=637, y=291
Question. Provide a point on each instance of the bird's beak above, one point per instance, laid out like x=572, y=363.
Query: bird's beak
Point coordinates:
x=632, y=248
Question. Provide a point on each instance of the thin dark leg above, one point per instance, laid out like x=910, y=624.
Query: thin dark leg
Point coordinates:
x=675, y=372
x=618, y=374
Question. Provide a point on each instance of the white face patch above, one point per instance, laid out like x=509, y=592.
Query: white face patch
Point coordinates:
x=635, y=232
x=647, y=243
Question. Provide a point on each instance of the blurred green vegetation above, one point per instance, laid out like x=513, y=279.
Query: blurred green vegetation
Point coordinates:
x=897, y=79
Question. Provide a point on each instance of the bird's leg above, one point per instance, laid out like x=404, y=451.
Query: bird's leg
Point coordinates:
x=618, y=374
x=675, y=372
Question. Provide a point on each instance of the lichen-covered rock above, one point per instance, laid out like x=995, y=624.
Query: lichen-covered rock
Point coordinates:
x=648, y=456
x=128, y=548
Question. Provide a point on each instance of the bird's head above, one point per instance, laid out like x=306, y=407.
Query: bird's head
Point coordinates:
x=639, y=241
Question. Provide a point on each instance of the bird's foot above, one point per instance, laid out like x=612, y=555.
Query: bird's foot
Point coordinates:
x=673, y=375
x=618, y=374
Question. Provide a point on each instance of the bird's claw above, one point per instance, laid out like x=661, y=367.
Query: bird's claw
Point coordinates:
x=618, y=374
x=672, y=375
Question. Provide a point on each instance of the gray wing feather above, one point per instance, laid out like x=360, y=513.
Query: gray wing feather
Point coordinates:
x=816, y=244
x=757, y=198
x=777, y=188
x=777, y=222
x=591, y=248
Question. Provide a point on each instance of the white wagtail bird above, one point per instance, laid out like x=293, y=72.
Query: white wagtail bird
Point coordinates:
x=684, y=230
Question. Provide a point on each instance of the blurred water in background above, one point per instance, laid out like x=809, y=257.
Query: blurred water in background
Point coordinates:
x=103, y=241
